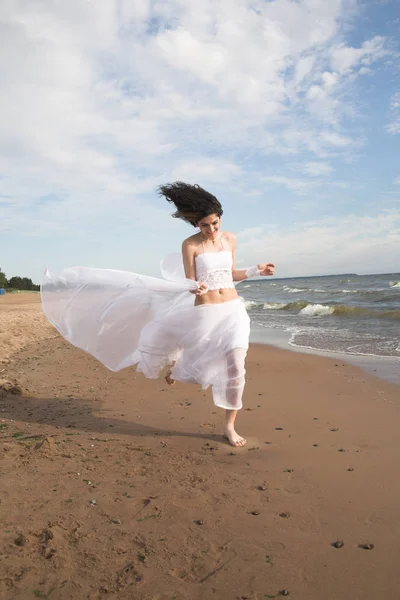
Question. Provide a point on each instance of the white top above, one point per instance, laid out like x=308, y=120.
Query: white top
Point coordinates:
x=215, y=269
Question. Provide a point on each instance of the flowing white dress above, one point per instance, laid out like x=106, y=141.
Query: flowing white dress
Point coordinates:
x=126, y=319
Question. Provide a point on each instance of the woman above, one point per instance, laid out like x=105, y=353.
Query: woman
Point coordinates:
x=125, y=318
x=209, y=258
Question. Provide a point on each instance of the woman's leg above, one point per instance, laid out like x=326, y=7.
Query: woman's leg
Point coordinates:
x=233, y=394
x=168, y=377
x=229, y=430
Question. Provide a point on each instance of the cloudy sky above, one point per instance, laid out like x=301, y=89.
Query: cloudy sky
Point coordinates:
x=287, y=110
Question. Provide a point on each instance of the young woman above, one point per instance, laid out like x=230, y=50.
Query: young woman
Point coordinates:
x=209, y=259
x=125, y=319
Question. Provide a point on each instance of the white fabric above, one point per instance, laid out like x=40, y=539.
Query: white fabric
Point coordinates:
x=123, y=319
x=209, y=344
x=253, y=272
x=215, y=269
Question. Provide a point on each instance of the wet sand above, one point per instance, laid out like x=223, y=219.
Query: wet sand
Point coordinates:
x=114, y=486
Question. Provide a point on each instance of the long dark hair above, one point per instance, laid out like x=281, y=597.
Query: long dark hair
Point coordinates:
x=192, y=202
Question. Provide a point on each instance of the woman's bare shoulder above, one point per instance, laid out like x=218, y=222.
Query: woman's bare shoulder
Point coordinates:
x=191, y=242
x=231, y=237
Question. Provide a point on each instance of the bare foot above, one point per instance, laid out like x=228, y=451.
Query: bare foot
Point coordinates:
x=169, y=379
x=234, y=438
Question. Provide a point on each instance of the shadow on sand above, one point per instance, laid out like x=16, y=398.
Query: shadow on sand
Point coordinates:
x=74, y=413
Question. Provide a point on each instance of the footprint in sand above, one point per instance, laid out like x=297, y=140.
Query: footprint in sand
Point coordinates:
x=367, y=546
x=198, y=567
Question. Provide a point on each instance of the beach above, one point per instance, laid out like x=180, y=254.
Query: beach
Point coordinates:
x=118, y=487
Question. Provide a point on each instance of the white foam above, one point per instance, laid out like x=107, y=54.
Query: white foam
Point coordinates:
x=273, y=306
x=395, y=284
x=291, y=290
x=250, y=303
x=316, y=310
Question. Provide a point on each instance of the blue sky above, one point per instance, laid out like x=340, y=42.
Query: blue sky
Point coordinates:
x=287, y=110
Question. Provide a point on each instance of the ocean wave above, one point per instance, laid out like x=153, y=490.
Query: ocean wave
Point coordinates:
x=293, y=290
x=317, y=310
x=373, y=292
x=273, y=306
x=367, y=312
x=308, y=309
x=249, y=304
x=298, y=305
x=394, y=284
x=343, y=350
x=289, y=306
x=348, y=311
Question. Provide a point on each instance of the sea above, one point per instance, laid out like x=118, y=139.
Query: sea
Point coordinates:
x=354, y=316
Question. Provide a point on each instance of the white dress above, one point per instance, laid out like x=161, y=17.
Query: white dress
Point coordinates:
x=126, y=319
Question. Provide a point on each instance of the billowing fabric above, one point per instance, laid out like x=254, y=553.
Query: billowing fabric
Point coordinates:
x=209, y=343
x=126, y=319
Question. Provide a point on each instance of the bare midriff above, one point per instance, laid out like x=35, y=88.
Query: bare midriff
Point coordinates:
x=217, y=296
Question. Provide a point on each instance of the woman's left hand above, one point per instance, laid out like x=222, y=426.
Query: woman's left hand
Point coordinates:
x=266, y=269
x=202, y=288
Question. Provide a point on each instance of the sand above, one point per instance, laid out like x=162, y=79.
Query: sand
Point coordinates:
x=117, y=487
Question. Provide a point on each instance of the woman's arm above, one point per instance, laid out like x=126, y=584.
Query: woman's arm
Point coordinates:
x=190, y=268
x=241, y=274
x=188, y=260
x=237, y=274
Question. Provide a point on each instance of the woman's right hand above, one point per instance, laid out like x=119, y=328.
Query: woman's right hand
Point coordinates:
x=202, y=289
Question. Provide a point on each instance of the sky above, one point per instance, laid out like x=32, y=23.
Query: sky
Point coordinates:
x=287, y=110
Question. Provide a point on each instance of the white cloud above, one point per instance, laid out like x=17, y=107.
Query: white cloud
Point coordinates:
x=329, y=95
x=336, y=140
x=346, y=58
x=394, y=126
x=316, y=169
x=209, y=170
x=317, y=182
x=297, y=185
x=329, y=246
x=103, y=101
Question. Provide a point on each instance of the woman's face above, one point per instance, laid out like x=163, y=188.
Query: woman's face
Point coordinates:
x=209, y=226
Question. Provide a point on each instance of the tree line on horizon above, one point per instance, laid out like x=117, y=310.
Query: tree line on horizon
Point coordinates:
x=18, y=283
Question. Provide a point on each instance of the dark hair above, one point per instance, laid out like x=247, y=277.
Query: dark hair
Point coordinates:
x=191, y=201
